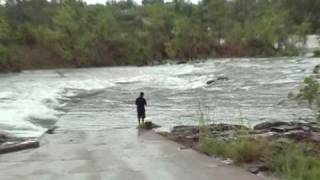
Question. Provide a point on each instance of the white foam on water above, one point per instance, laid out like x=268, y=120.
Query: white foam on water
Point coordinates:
x=32, y=98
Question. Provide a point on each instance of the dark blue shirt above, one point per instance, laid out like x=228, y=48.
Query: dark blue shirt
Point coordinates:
x=141, y=103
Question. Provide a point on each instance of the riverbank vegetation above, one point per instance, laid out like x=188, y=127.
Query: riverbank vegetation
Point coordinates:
x=288, y=150
x=289, y=160
x=71, y=33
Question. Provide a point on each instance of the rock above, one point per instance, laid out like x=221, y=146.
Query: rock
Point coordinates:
x=228, y=161
x=211, y=82
x=254, y=170
x=225, y=127
x=315, y=128
x=268, y=125
x=19, y=146
x=257, y=168
x=182, y=62
x=3, y=138
x=223, y=78
x=220, y=78
x=194, y=137
x=148, y=125
x=185, y=130
x=52, y=130
x=316, y=69
x=285, y=128
x=300, y=135
x=264, y=134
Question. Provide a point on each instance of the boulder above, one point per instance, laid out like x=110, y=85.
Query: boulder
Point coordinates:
x=52, y=130
x=211, y=82
x=182, y=62
x=268, y=125
x=300, y=135
x=255, y=168
x=225, y=127
x=316, y=69
x=223, y=78
x=148, y=125
x=3, y=138
x=286, y=128
x=220, y=78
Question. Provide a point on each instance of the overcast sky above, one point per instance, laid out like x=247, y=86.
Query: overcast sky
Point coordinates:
x=138, y=1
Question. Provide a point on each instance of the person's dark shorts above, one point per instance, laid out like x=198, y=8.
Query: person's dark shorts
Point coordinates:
x=141, y=114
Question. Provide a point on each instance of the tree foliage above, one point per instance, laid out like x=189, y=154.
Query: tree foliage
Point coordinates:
x=71, y=33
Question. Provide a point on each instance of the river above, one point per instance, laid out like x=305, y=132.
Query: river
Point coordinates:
x=100, y=98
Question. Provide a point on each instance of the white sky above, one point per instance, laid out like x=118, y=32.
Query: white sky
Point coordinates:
x=138, y=1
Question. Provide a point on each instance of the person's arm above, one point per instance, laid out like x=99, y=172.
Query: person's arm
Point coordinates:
x=145, y=102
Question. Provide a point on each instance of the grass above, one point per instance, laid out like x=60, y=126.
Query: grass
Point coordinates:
x=243, y=150
x=147, y=125
x=212, y=147
x=141, y=126
x=293, y=163
x=290, y=163
x=247, y=150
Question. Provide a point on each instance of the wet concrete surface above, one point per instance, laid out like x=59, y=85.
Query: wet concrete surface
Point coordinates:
x=114, y=154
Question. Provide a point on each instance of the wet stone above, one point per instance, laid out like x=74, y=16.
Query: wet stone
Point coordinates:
x=3, y=138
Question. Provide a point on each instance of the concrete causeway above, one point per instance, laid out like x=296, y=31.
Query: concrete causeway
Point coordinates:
x=114, y=154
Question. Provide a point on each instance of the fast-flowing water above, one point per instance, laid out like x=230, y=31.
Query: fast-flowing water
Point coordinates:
x=256, y=91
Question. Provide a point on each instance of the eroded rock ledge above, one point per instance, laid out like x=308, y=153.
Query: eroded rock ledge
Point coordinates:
x=294, y=131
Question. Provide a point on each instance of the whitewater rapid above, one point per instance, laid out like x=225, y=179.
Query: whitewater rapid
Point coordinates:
x=32, y=101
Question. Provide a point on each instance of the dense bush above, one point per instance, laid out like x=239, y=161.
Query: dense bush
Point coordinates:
x=71, y=33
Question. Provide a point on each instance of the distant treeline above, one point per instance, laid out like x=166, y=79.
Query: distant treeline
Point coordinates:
x=71, y=33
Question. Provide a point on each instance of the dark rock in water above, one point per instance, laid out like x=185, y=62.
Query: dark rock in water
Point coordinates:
x=285, y=128
x=19, y=146
x=148, y=125
x=223, y=78
x=3, y=138
x=181, y=62
x=52, y=130
x=210, y=82
x=316, y=69
x=267, y=125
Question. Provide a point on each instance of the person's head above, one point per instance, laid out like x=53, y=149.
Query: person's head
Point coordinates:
x=141, y=94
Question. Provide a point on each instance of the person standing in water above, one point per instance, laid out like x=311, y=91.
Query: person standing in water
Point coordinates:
x=141, y=103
